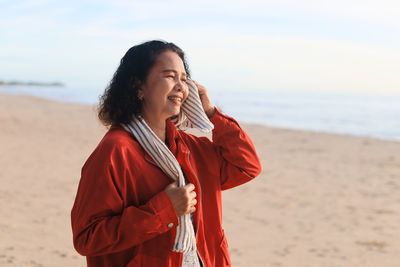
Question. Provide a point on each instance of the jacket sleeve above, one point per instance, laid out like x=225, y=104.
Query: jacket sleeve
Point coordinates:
x=238, y=158
x=101, y=223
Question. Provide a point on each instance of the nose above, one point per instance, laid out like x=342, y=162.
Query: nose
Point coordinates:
x=180, y=85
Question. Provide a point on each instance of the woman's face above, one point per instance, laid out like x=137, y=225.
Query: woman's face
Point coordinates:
x=165, y=88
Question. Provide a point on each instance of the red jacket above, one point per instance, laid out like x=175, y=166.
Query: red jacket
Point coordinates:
x=123, y=217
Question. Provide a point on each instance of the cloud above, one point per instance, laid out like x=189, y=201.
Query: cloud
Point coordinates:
x=253, y=44
x=296, y=63
x=385, y=11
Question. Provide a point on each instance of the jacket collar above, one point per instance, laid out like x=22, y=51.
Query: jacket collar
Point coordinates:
x=172, y=135
x=172, y=138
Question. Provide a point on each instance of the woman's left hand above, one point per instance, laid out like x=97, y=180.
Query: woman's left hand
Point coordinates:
x=208, y=107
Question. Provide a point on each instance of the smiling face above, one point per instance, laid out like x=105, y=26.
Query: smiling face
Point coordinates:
x=165, y=88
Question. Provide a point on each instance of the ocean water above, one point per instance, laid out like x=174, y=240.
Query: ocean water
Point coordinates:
x=361, y=114
x=352, y=113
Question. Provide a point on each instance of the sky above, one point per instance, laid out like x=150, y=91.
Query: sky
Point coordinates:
x=341, y=45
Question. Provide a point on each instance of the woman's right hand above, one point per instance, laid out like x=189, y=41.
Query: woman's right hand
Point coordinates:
x=183, y=198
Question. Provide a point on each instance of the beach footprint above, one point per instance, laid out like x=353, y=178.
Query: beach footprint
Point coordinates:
x=60, y=253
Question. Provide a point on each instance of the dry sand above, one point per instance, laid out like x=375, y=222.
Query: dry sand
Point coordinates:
x=322, y=200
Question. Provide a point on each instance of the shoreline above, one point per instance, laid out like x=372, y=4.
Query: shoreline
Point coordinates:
x=71, y=102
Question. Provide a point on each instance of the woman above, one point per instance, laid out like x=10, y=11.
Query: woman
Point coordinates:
x=150, y=194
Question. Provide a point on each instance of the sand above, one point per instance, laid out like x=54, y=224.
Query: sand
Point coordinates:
x=322, y=200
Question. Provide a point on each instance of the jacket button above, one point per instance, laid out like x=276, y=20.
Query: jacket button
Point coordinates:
x=170, y=225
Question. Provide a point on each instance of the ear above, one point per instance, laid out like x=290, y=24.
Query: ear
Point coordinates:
x=140, y=94
x=139, y=85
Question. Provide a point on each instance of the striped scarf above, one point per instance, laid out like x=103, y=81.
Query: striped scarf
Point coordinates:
x=192, y=115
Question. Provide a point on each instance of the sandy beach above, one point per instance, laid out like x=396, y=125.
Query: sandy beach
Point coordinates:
x=322, y=200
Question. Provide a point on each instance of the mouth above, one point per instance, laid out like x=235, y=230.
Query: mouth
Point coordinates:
x=175, y=99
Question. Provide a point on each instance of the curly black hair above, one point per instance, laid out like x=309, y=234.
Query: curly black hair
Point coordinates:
x=120, y=101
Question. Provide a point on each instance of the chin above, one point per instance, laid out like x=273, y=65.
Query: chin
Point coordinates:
x=176, y=112
x=173, y=109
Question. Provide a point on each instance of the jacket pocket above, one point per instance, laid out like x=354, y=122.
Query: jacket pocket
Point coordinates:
x=225, y=249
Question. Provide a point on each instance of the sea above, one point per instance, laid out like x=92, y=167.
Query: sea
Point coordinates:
x=375, y=115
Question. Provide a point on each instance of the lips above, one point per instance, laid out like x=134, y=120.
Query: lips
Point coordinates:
x=176, y=99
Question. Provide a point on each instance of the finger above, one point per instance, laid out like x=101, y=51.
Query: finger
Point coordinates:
x=194, y=202
x=192, y=209
x=190, y=187
x=193, y=194
x=202, y=90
